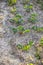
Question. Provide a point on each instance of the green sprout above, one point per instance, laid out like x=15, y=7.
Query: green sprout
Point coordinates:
x=26, y=31
x=12, y=2
x=17, y=19
x=28, y=7
x=20, y=29
x=33, y=18
x=13, y=10
x=11, y=20
x=38, y=29
x=25, y=47
x=14, y=30
x=30, y=64
x=19, y=46
x=37, y=55
x=30, y=43
x=41, y=42
x=28, y=46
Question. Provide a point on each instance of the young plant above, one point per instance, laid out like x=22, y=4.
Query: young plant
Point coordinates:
x=30, y=43
x=25, y=47
x=17, y=19
x=13, y=10
x=20, y=29
x=28, y=46
x=41, y=42
x=30, y=64
x=26, y=31
x=12, y=2
x=28, y=7
x=37, y=55
x=14, y=30
x=33, y=18
x=38, y=29
x=19, y=46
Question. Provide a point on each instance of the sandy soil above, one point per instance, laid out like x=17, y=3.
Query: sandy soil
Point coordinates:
x=9, y=55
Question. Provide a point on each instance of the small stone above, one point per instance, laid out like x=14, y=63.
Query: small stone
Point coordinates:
x=31, y=58
x=1, y=17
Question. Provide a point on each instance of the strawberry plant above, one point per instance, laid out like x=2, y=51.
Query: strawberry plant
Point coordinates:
x=19, y=46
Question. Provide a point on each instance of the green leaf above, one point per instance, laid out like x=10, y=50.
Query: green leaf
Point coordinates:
x=11, y=2
x=19, y=46
x=26, y=31
x=26, y=47
x=37, y=55
x=41, y=41
x=14, y=30
x=30, y=43
x=13, y=10
x=20, y=28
